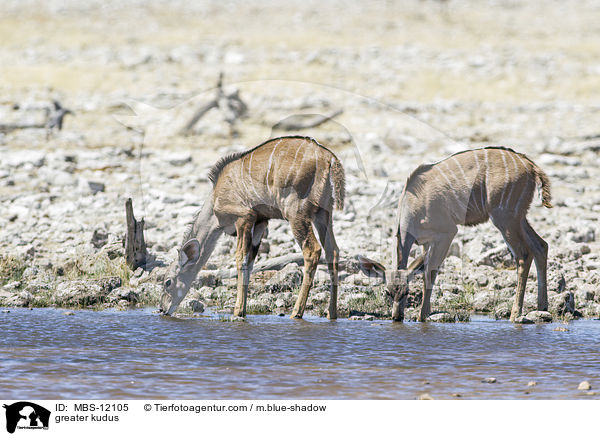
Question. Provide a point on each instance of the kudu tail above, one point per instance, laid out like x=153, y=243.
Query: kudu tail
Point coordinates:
x=338, y=181
x=542, y=180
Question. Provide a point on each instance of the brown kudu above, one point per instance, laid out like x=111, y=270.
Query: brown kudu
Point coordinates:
x=467, y=188
x=292, y=178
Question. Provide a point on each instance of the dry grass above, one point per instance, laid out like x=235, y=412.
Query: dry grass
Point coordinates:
x=11, y=269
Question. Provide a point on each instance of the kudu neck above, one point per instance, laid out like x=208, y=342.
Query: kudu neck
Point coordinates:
x=404, y=242
x=205, y=229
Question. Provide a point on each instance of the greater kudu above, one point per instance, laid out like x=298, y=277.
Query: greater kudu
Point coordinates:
x=293, y=178
x=467, y=188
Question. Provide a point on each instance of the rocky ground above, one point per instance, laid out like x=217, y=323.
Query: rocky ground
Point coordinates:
x=417, y=81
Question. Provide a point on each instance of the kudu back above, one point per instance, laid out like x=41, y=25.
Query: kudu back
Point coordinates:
x=468, y=188
x=292, y=178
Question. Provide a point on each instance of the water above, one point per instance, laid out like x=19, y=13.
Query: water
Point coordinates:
x=138, y=354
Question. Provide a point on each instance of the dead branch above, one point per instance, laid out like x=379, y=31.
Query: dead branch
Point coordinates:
x=56, y=116
x=135, y=246
x=231, y=105
x=305, y=121
x=6, y=128
x=277, y=264
x=54, y=119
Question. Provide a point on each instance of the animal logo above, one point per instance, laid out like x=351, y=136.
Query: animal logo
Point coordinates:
x=24, y=414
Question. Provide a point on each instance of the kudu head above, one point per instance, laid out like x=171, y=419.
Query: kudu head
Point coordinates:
x=396, y=281
x=179, y=277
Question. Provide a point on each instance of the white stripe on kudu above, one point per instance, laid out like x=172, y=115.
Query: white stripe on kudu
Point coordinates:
x=271, y=163
x=291, y=167
x=512, y=185
x=467, y=183
x=524, y=191
x=454, y=192
x=487, y=177
x=482, y=186
x=258, y=196
x=316, y=161
x=477, y=178
x=506, y=178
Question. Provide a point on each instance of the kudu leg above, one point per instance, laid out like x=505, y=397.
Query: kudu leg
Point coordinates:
x=516, y=241
x=258, y=232
x=324, y=225
x=242, y=258
x=311, y=251
x=539, y=248
x=434, y=257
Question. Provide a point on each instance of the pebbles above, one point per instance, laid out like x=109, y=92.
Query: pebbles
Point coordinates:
x=584, y=386
x=442, y=317
x=539, y=316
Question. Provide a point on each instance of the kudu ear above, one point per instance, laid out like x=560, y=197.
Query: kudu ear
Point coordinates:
x=190, y=252
x=370, y=268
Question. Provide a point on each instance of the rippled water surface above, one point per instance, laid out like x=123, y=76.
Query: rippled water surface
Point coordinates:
x=138, y=354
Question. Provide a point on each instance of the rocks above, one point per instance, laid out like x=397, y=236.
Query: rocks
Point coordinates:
x=366, y=317
x=99, y=238
x=586, y=234
x=150, y=292
x=192, y=305
x=207, y=278
x=524, y=320
x=255, y=307
x=586, y=293
x=350, y=298
x=539, y=316
x=286, y=299
x=534, y=317
x=127, y=294
x=11, y=286
x=487, y=251
x=85, y=292
x=484, y=301
x=289, y=278
x=561, y=303
x=179, y=159
x=79, y=293
x=30, y=273
x=584, y=386
x=489, y=380
x=441, y=317
x=21, y=158
x=96, y=187
x=114, y=249
x=109, y=283
x=482, y=280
